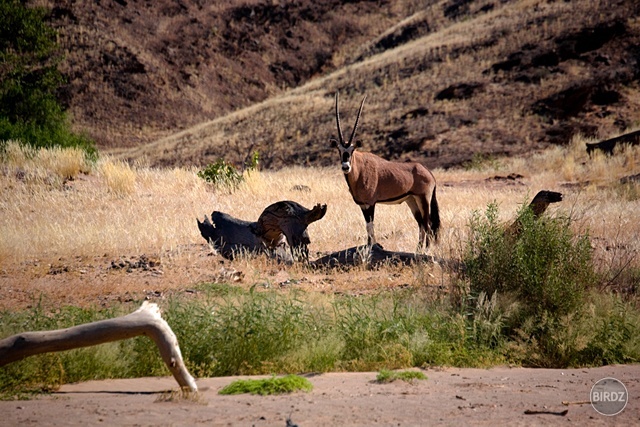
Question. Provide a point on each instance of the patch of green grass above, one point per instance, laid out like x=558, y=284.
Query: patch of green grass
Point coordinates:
x=387, y=376
x=269, y=386
x=214, y=289
x=246, y=334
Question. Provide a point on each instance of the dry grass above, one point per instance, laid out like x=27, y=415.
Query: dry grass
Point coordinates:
x=118, y=210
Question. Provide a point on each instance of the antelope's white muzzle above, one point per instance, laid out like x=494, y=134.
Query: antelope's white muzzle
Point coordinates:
x=346, y=167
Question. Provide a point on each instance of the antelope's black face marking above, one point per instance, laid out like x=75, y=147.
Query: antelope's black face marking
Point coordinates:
x=345, y=157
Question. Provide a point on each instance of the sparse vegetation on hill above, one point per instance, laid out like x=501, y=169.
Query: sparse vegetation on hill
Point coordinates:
x=446, y=80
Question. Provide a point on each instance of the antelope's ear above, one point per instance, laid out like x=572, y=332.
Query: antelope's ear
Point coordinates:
x=334, y=142
x=358, y=143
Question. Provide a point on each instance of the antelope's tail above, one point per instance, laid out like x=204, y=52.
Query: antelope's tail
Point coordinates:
x=434, y=215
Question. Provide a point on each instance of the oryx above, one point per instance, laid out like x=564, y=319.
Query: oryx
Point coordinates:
x=372, y=179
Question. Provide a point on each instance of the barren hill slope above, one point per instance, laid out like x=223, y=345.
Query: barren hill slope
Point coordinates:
x=138, y=70
x=446, y=81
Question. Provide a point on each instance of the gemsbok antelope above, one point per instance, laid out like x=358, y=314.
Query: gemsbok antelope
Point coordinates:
x=372, y=179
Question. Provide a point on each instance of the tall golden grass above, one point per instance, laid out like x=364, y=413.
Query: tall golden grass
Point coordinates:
x=116, y=209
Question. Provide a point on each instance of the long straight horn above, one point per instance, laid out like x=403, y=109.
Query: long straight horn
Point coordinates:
x=340, y=136
x=355, y=127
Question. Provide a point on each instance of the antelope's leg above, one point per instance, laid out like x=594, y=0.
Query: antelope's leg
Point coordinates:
x=425, y=208
x=368, y=212
x=417, y=208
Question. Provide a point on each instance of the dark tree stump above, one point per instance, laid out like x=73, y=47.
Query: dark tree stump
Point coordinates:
x=287, y=220
x=281, y=222
x=538, y=206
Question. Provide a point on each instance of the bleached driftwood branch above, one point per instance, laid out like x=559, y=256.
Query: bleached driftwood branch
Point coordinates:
x=144, y=321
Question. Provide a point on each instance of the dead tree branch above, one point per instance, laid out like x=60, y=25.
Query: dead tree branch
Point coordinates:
x=144, y=321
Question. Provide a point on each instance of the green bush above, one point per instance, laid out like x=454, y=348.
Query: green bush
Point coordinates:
x=223, y=174
x=546, y=305
x=546, y=266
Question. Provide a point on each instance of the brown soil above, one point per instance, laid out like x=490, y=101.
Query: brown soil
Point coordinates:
x=497, y=396
x=104, y=281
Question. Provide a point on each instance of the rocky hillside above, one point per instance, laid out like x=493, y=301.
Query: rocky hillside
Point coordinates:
x=447, y=81
x=141, y=69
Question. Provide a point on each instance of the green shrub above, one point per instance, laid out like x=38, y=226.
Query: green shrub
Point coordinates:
x=545, y=265
x=548, y=311
x=223, y=174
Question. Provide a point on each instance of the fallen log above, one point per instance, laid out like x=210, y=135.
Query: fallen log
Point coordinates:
x=144, y=321
x=280, y=222
x=231, y=236
x=608, y=145
x=372, y=256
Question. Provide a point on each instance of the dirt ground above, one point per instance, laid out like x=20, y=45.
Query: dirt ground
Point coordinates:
x=450, y=396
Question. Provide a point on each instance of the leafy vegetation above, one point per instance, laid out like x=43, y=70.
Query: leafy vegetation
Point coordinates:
x=224, y=175
x=29, y=80
x=268, y=386
x=544, y=297
x=545, y=266
x=387, y=376
x=249, y=332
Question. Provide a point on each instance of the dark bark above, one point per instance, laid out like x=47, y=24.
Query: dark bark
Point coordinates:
x=231, y=236
x=372, y=256
x=538, y=205
x=287, y=220
x=607, y=146
x=281, y=222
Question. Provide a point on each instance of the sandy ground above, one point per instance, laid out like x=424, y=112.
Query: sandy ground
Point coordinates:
x=450, y=396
